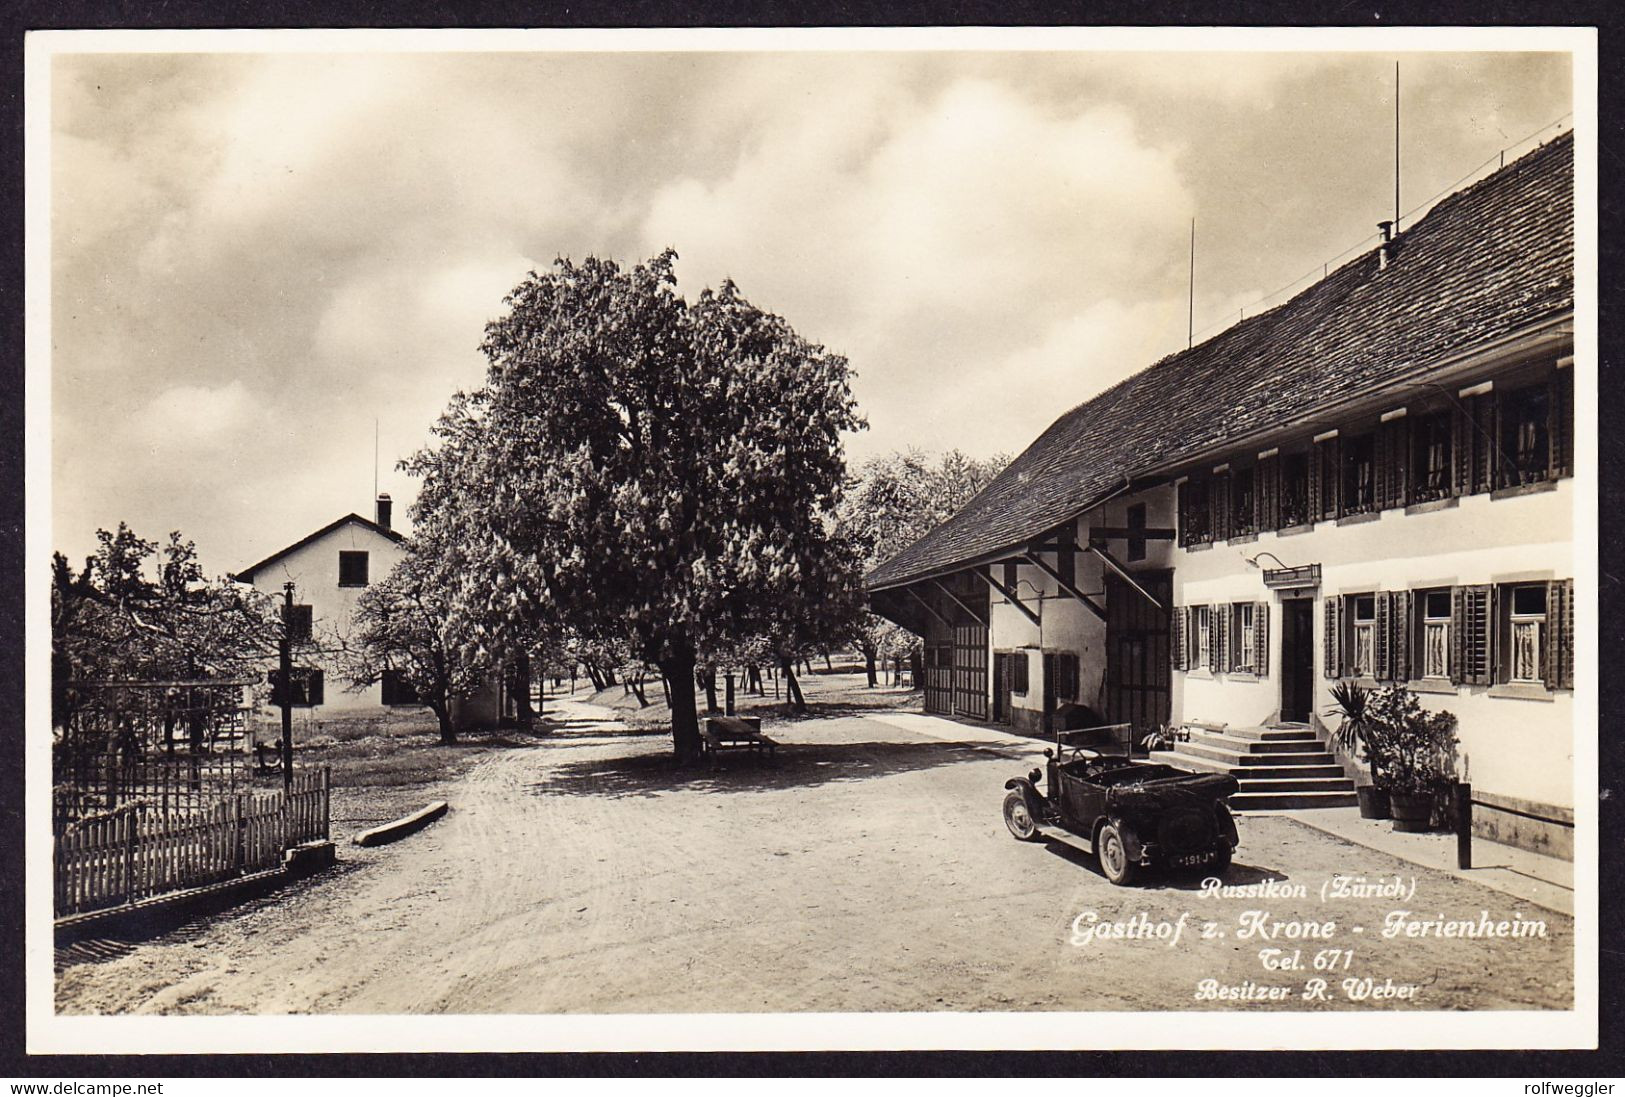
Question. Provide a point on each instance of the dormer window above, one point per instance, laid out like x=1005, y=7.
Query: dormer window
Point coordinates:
x=352, y=569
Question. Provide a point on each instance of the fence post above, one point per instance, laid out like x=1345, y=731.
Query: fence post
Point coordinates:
x=129, y=854
x=237, y=832
x=327, y=808
x=1463, y=794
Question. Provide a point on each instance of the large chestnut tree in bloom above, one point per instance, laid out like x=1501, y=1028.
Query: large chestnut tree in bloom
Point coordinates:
x=642, y=469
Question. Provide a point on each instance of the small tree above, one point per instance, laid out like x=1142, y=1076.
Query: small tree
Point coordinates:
x=404, y=624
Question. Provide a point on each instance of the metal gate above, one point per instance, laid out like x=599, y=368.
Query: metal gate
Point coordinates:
x=1138, y=674
x=970, y=671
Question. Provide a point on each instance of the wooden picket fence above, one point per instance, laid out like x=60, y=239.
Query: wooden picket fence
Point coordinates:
x=138, y=852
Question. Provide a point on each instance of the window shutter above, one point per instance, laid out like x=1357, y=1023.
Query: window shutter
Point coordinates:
x=1180, y=623
x=1461, y=454
x=1218, y=506
x=1472, y=431
x=1560, y=429
x=1216, y=622
x=1261, y=638
x=1383, y=654
x=313, y=687
x=1334, y=636
x=1484, y=447
x=1267, y=493
x=1403, y=614
x=1471, y=635
x=1560, y=634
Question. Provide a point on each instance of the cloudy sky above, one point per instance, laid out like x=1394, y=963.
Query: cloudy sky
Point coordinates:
x=256, y=256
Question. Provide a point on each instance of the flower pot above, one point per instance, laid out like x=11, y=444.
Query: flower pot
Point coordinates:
x=1373, y=802
x=1412, y=811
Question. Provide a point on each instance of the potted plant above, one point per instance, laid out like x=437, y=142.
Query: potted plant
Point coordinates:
x=1419, y=754
x=1356, y=736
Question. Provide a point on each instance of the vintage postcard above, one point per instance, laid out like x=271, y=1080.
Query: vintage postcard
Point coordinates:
x=739, y=540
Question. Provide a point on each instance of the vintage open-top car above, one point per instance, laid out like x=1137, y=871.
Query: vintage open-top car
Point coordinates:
x=1129, y=814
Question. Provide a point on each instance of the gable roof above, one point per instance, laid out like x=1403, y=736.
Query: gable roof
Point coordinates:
x=247, y=574
x=1484, y=263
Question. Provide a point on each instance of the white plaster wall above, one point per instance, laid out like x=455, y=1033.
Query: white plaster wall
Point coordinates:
x=1512, y=746
x=314, y=571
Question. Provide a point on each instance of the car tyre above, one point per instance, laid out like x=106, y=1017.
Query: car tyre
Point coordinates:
x=1113, y=856
x=1019, y=818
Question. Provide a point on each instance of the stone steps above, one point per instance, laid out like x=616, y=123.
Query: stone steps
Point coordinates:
x=1278, y=768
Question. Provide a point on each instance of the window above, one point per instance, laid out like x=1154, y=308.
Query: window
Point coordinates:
x=352, y=569
x=397, y=690
x=307, y=687
x=1241, y=502
x=1434, y=608
x=1359, y=474
x=1525, y=632
x=299, y=623
x=1295, y=490
x=1525, y=439
x=1244, y=628
x=1202, y=636
x=1063, y=668
x=1363, y=619
x=1195, y=521
x=1431, y=456
x=1136, y=532
x=1326, y=478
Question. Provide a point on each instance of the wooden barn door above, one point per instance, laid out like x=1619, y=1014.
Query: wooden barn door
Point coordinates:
x=970, y=671
x=1138, y=674
x=939, y=692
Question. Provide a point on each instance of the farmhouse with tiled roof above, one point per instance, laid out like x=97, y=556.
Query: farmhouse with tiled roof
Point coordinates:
x=1370, y=482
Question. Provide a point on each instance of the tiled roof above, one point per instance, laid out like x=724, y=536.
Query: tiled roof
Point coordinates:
x=1484, y=263
x=247, y=574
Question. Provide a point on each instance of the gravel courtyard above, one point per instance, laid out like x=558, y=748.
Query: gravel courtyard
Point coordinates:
x=868, y=869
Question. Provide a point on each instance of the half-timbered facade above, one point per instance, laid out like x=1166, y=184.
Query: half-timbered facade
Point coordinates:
x=1370, y=482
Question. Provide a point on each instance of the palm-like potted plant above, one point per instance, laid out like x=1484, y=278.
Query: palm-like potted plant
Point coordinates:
x=1419, y=754
x=1355, y=735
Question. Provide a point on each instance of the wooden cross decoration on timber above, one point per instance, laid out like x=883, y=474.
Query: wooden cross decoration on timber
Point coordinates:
x=1009, y=594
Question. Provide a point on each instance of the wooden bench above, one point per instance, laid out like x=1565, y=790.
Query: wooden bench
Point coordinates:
x=721, y=732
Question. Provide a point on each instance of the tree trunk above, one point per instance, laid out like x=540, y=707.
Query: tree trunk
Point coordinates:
x=728, y=699
x=685, y=724
x=916, y=669
x=521, y=674
x=665, y=687
x=869, y=667
x=829, y=667
x=442, y=712
x=792, y=689
x=711, y=690
x=636, y=685
x=609, y=677
x=594, y=677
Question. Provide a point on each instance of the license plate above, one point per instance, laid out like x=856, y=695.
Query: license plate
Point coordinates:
x=1193, y=859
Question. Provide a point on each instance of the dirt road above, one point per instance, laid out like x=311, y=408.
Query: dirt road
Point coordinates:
x=867, y=870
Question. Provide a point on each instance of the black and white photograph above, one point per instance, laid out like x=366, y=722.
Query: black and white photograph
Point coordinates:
x=811, y=540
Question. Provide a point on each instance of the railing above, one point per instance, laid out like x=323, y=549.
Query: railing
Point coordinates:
x=140, y=851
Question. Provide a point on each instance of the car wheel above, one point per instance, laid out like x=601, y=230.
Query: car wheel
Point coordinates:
x=1113, y=855
x=1018, y=818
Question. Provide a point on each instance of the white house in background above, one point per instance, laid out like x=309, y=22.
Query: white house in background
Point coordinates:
x=330, y=569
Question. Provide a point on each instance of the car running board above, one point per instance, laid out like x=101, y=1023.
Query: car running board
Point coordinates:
x=1066, y=837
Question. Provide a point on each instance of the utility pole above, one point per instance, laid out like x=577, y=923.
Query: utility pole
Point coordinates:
x=285, y=675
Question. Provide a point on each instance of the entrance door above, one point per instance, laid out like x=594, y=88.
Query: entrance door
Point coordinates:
x=1138, y=672
x=1001, y=687
x=1297, y=659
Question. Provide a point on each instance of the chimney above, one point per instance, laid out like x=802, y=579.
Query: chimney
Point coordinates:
x=384, y=507
x=1383, y=257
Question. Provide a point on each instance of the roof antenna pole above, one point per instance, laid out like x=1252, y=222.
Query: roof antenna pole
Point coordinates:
x=1190, y=312
x=1396, y=148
